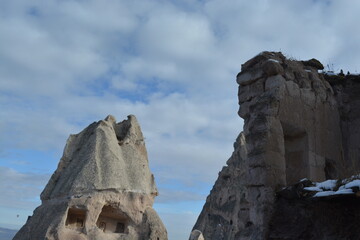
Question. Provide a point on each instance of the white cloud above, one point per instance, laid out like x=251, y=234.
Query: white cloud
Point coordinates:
x=179, y=225
x=20, y=190
x=176, y=35
x=170, y=196
x=65, y=64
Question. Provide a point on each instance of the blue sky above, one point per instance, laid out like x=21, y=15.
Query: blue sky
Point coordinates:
x=65, y=64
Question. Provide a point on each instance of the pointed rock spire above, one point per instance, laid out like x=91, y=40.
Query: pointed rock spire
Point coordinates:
x=101, y=187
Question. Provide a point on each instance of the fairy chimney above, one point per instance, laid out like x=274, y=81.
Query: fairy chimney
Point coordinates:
x=102, y=189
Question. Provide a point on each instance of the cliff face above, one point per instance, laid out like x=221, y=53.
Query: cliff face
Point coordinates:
x=311, y=211
x=102, y=188
x=311, y=220
x=347, y=93
x=294, y=128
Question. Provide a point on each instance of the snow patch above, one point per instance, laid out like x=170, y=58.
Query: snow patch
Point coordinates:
x=324, y=194
x=327, y=185
x=331, y=187
x=273, y=60
x=354, y=183
x=343, y=191
x=331, y=73
x=313, y=189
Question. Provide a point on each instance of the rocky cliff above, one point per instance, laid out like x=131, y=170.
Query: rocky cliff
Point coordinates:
x=295, y=127
x=347, y=92
x=102, y=189
x=311, y=211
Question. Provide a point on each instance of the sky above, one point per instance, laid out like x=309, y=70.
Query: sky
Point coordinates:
x=67, y=63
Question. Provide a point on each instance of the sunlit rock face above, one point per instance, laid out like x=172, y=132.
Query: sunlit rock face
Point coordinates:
x=102, y=188
x=295, y=126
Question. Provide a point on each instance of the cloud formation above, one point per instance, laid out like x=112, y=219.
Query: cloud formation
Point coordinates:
x=65, y=64
x=20, y=190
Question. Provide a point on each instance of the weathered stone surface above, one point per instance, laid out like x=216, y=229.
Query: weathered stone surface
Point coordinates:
x=196, y=235
x=296, y=127
x=314, y=63
x=272, y=67
x=292, y=89
x=248, y=77
x=347, y=92
x=315, y=220
x=258, y=60
x=102, y=189
x=250, y=91
x=154, y=228
x=300, y=213
x=276, y=81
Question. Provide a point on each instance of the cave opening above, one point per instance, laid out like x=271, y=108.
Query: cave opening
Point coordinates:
x=112, y=220
x=75, y=218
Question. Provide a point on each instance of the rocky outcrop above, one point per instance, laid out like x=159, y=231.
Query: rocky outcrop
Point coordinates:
x=196, y=235
x=347, y=93
x=311, y=211
x=292, y=131
x=102, y=189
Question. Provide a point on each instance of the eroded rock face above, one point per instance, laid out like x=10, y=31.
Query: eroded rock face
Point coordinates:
x=196, y=235
x=102, y=189
x=347, y=93
x=313, y=219
x=312, y=211
x=291, y=131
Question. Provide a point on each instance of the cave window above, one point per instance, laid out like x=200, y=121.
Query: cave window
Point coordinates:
x=112, y=220
x=75, y=218
x=120, y=227
x=102, y=226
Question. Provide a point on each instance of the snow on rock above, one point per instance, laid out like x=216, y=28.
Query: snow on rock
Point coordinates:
x=330, y=188
x=313, y=189
x=354, y=183
x=273, y=60
x=324, y=194
x=327, y=185
x=331, y=73
x=344, y=191
x=331, y=193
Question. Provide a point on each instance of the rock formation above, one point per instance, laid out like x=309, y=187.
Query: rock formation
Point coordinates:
x=296, y=125
x=196, y=235
x=311, y=211
x=102, y=189
x=347, y=93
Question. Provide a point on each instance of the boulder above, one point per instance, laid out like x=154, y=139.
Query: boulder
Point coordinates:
x=196, y=235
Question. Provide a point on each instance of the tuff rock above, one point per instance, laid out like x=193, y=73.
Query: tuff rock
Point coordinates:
x=298, y=123
x=311, y=211
x=101, y=189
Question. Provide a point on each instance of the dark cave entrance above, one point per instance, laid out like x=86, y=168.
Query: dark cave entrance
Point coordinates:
x=112, y=220
x=75, y=219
